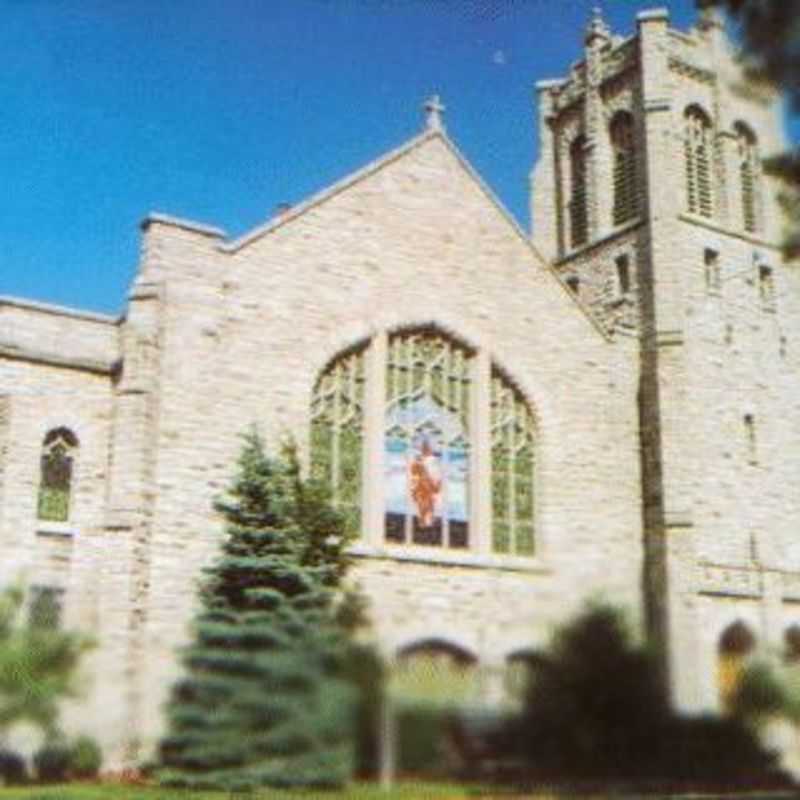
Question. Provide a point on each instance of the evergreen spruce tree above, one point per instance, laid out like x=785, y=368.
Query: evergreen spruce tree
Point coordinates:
x=263, y=702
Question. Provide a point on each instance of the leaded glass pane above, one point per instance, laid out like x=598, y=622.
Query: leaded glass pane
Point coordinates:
x=55, y=484
x=427, y=440
x=337, y=434
x=513, y=469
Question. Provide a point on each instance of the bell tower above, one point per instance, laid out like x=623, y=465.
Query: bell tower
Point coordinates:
x=651, y=201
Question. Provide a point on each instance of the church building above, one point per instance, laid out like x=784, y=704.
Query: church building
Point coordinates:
x=512, y=424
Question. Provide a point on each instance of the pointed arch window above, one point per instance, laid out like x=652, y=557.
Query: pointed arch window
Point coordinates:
x=698, y=144
x=393, y=432
x=624, y=167
x=337, y=431
x=747, y=153
x=56, y=475
x=513, y=438
x=578, y=202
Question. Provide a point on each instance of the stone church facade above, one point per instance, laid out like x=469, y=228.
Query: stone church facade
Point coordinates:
x=511, y=424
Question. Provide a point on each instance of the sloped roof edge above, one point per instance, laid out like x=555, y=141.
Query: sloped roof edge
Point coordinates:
x=327, y=193
x=378, y=164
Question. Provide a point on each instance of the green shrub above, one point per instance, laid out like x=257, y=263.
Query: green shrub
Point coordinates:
x=12, y=768
x=424, y=741
x=52, y=762
x=86, y=758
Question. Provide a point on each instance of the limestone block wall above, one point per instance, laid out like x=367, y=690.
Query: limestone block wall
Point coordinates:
x=248, y=326
x=72, y=556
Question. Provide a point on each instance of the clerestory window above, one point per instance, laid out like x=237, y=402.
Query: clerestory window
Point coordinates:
x=424, y=442
x=56, y=475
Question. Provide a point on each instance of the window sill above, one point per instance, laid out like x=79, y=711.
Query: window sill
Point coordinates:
x=600, y=240
x=63, y=529
x=714, y=225
x=454, y=558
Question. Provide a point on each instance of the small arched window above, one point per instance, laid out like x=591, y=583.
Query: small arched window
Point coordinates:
x=624, y=167
x=698, y=144
x=735, y=645
x=56, y=475
x=578, y=202
x=747, y=153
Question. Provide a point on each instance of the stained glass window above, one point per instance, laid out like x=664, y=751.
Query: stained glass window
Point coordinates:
x=426, y=464
x=337, y=433
x=55, y=486
x=405, y=403
x=698, y=155
x=513, y=439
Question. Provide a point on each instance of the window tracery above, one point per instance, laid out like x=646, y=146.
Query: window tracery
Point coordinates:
x=513, y=435
x=393, y=428
x=337, y=434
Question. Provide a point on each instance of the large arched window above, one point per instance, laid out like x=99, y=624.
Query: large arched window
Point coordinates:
x=56, y=475
x=735, y=645
x=624, y=155
x=393, y=432
x=578, y=200
x=747, y=152
x=698, y=145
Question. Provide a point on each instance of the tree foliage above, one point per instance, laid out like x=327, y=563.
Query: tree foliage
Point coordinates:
x=263, y=701
x=595, y=710
x=38, y=666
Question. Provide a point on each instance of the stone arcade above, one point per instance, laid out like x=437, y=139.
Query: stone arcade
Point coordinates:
x=511, y=425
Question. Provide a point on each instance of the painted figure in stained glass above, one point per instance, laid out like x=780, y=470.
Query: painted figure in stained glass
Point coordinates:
x=426, y=442
x=425, y=483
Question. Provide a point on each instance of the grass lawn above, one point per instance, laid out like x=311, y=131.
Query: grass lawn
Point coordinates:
x=405, y=791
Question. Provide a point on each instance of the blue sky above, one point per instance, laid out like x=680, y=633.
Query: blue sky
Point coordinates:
x=219, y=110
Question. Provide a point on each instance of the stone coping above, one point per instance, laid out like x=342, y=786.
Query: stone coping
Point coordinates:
x=57, y=310
x=438, y=556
